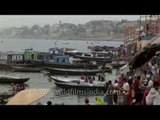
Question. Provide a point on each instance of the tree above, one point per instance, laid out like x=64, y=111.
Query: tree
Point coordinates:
x=46, y=28
x=35, y=27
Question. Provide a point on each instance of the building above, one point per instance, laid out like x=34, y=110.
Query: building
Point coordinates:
x=60, y=59
x=14, y=57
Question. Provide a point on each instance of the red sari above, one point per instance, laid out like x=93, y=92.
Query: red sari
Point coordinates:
x=130, y=96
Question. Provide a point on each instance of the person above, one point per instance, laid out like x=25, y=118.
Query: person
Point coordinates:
x=39, y=103
x=87, y=101
x=143, y=75
x=130, y=95
x=153, y=93
x=22, y=87
x=153, y=70
x=115, y=92
x=99, y=101
x=90, y=81
x=137, y=84
x=82, y=77
x=13, y=88
x=138, y=98
x=93, y=78
x=86, y=79
x=99, y=77
x=66, y=75
x=17, y=88
x=150, y=83
x=110, y=95
x=49, y=103
x=125, y=90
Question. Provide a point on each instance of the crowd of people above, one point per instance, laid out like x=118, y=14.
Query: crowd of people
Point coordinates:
x=17, y=87
x=132, y=89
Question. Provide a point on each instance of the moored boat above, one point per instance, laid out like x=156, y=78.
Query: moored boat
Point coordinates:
x=8, y=65
x=65, y=65
x=9, y=79
x=73, y=71
x=25, y=69
x=6, y=95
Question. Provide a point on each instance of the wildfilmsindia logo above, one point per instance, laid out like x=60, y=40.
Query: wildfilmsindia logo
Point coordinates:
x=72, y=91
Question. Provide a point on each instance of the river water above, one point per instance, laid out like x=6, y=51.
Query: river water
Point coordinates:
x=39, y=80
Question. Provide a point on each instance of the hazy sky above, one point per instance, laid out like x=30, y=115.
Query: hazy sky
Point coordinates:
x=30, y=20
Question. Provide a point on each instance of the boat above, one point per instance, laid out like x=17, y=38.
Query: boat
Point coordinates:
x=66, y=65
x=60, y=71
x=75, y=79
x=8, y=65
x=84, y=89
x=64, y=79
x=96, y=56
x=106, y=68
x=6, y=95
x=9, y=79
x=117, y=63
x=25, y=69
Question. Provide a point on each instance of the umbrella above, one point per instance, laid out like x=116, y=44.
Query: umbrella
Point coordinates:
x=27, y=97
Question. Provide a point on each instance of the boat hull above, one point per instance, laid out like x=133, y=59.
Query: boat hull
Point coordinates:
x=65, y=65
x=13, y=80
x=82, y=88
x=57, y=71
x=25, y=69
x=63, y=80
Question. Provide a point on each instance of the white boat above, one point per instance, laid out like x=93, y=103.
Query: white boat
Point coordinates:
x=64, y=79
x=77, y=80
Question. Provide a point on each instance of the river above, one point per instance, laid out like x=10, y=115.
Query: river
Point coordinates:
x=39, y=80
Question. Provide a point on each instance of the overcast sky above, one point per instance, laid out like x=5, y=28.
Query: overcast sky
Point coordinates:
x=30, y=20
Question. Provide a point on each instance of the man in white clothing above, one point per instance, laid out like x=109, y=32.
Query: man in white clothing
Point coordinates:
x=153, y=93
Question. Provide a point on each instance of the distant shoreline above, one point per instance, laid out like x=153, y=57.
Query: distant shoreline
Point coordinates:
x=82, y=39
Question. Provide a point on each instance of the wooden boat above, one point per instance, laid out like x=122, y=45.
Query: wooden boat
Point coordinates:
x=8, y=65
x=87, y=88
x=119, y=63
x=63, y=79
x=25, y=69
x=73, y=71
x=64, y=65
x=76, y=80
x=106, y=68
x=101, y=58
x=9, y=79
x=6, y=95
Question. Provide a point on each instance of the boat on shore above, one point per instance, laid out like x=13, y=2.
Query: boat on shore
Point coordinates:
x=10, y=79
x=59, y=71
x=25, y=69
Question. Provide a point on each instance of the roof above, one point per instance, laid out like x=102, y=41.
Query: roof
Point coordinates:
x=14, y=53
